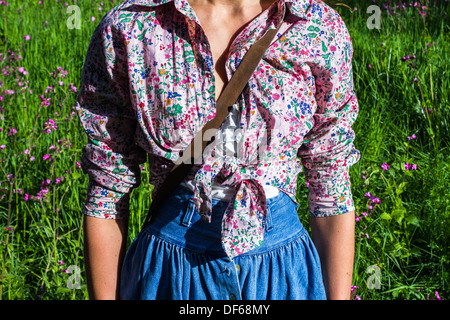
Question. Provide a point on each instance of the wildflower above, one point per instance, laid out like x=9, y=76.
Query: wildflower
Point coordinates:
x=46, y=157
x=26, y=197
x=12, y=132
x=60, y=262
x=27, y=37
x=385, y=166
x=407, y=166
x=367, y=236
x=414, y=166
x=437, y=295
x=45, y=102
x=49, y=125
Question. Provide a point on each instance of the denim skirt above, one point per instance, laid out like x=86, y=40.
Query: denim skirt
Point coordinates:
x=178, y=256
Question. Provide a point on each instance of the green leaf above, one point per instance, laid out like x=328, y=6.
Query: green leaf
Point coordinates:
x=385, y=216
x=76, y=175
x=324, y=47
x=412, y=219
x=312, y=28
x=398, y=214
x=140, y=25
x=401, y=188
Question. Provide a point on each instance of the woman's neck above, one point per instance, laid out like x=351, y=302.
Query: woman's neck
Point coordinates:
x=231, y=4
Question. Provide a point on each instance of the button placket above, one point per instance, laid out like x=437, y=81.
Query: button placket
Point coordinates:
x=230, y=283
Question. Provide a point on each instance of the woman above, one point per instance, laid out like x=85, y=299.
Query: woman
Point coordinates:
x=153, y=71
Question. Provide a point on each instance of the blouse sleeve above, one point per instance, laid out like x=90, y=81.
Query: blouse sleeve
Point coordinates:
x=111, y=157
x=328, y=151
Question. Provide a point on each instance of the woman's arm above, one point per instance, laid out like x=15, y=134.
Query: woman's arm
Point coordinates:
x=111, y=157
x=104, y=246
x=334, y=238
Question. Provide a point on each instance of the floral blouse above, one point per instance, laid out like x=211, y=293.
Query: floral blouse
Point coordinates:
x=148, y=87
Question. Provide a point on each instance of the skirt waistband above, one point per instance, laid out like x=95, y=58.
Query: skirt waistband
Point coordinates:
x=179, y=222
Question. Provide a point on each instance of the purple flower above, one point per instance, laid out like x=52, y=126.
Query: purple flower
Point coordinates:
x=45, y=102
x=50, y=125
x=407, y=166
x=12, y=132
x=385, y=166
x=46, y=157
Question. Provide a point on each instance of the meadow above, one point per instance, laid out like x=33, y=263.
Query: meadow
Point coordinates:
x=401, y=185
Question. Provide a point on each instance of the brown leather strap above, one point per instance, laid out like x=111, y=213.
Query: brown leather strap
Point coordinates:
x=228, y=97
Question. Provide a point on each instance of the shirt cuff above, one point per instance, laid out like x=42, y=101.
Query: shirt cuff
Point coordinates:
x=331, y=198
x=106, y=204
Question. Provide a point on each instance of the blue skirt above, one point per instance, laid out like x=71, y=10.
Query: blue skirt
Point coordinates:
x=180, y=257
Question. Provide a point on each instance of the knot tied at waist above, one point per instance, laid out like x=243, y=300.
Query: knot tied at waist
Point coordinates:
x=243, y=223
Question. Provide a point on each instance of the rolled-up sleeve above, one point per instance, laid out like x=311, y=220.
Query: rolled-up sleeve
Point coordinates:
x=328, y=151
x=110, y=157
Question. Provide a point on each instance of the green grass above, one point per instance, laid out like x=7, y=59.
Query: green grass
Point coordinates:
x=406, y=234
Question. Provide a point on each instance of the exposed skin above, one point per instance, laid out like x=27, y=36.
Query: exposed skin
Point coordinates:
x=105, y=240
x=334, y=238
